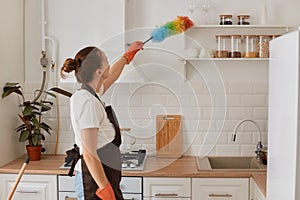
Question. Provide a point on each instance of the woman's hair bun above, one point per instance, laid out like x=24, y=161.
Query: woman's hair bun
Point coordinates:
x=69, y=65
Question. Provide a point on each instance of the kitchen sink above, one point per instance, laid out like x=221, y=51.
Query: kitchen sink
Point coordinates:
x=232, y=162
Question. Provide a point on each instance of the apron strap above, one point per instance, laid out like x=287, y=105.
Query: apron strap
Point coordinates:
x=110, y=114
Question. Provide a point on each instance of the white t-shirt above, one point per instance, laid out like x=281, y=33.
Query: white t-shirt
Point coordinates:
x=88, y=112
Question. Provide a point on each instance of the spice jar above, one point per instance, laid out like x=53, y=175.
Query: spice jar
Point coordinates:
x=225, y=19
x=223, y=46
x=263, y=46
x=243, y=19
x=250, y=46
x=236, y=42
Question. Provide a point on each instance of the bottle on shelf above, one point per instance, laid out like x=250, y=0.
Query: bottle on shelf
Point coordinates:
x=225, y=19
x=263, y=46
x=250, y=46
x=236, y=42
x=223, y=46
x=243, y=19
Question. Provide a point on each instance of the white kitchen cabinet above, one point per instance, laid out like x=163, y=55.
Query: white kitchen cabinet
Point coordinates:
x=167, y=188
x=255, y=192
x=220, y=188
x=131, y=187
x=66, y=187
x=31, y=187
x=283, y=174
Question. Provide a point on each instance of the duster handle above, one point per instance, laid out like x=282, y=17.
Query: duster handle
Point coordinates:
x=18, y=178
x=148, y=39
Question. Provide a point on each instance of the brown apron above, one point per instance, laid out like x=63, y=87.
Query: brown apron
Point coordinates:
x=110, y=157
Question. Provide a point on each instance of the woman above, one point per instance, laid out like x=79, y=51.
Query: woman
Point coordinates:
x=93, y=130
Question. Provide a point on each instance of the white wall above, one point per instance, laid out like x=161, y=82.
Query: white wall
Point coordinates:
x=12, y=70
x=246, y=86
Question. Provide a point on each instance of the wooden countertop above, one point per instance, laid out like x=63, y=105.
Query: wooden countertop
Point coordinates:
x=154, y=167
x=261, y=181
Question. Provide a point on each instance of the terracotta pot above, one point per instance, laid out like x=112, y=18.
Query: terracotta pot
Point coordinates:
x=34, y=152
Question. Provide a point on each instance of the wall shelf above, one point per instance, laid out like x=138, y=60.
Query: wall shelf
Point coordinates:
x=240, y=26
x=226, y=59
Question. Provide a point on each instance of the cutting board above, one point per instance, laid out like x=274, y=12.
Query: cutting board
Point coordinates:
x=168, y=136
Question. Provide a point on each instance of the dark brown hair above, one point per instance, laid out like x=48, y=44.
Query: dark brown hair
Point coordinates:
x=85, y=63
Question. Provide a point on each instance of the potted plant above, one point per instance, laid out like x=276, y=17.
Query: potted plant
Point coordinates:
x=32, y=128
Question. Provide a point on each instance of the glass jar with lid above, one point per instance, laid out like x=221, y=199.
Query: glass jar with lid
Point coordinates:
x=225, y=19
x=263, y=46
x=250, y=46
x=223, y=46
x=236, y=45
x=243, y=19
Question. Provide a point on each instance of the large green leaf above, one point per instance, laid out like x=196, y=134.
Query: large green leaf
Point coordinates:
x=24, y=135
x=45, y=127
x=21, y=127
x=8, y=90
x=35, y=139
x=35, y=122
x=27, y=124
x=45, y=108
x=27, y=111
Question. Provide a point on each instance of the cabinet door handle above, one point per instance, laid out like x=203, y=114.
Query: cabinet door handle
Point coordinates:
x=28, y=191
x=219, y=195
x=130, y=199
x=168, y=118
x=166, y=195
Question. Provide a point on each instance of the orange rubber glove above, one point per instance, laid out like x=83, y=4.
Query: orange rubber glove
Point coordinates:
x=132, y=50
x=106, y=193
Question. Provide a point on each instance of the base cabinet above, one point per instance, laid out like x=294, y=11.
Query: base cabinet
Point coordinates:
x=220, y=188
x=167, y=188
x=31, y=187
x=66, y=188
x=131, y=188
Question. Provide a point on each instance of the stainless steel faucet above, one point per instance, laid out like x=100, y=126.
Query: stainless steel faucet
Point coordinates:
x=259, y=145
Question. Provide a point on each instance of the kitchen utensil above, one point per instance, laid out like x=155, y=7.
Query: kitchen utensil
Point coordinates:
x=168, y=136
x=18, y=179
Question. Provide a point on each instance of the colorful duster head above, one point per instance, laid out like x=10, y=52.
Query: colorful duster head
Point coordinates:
x=179, y=25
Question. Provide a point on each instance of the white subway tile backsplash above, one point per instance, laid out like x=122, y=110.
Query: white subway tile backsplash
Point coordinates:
x=137, y=104
x=240, y=113
x=215, y=138
x=240, y=88
x=248, y=150
x=260, y=113
x=260, y=88
x=198, y=87
x=241, y=138
x=254, y=100
x=153, y=99
x=193, y=150
x=233, y=100
x=224, y=150
x=204, y=100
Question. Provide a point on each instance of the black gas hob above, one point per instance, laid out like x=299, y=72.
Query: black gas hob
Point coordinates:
x=133, y=160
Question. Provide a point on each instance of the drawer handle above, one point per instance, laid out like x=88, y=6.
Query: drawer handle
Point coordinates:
x=168, y=118
x=130, y=199
x=28, y=191
x=219, y=195
x=166, y=195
